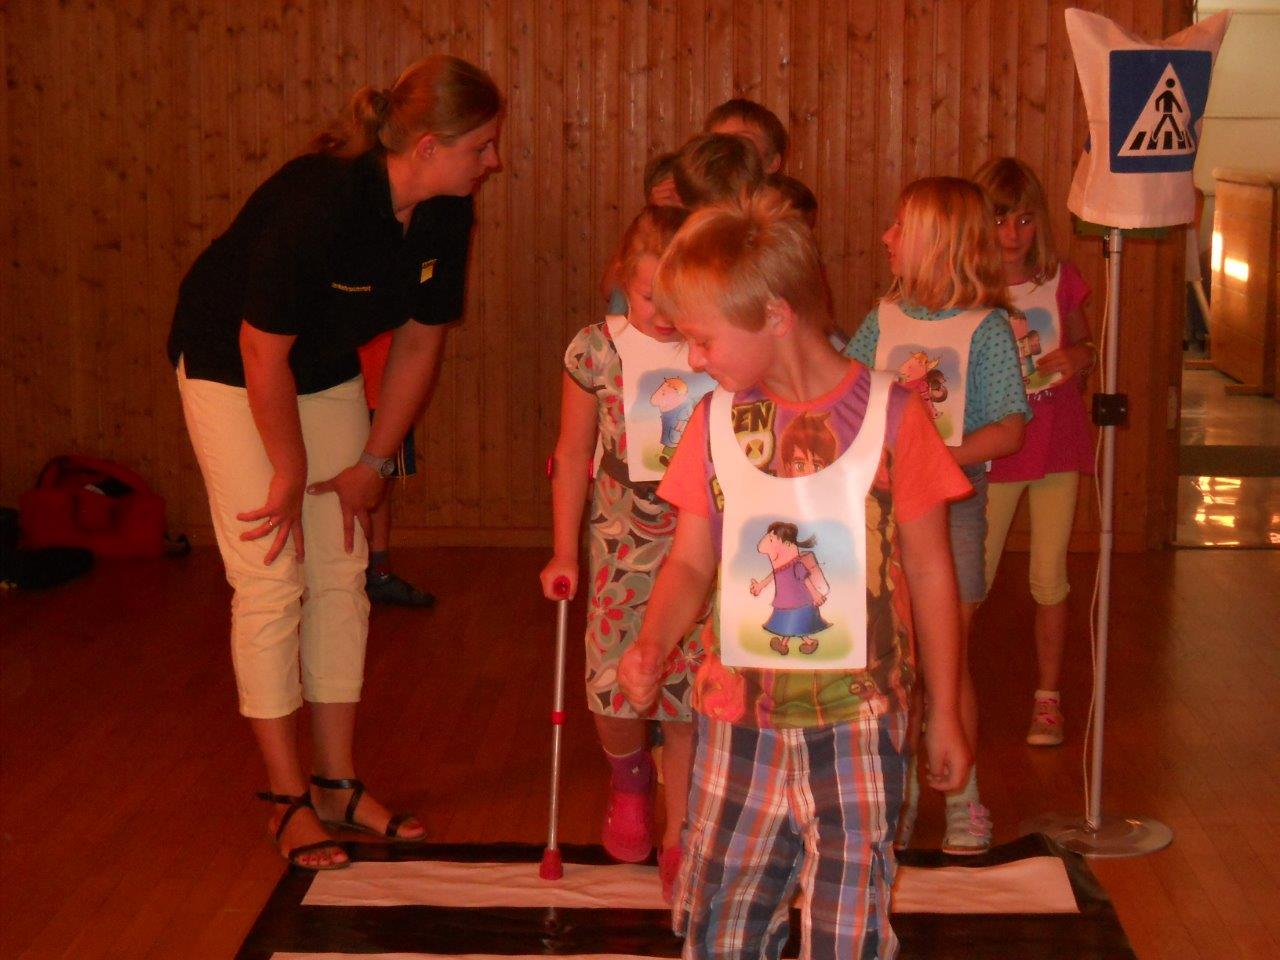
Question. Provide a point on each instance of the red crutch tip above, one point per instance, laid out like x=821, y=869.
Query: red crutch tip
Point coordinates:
x=551, y=867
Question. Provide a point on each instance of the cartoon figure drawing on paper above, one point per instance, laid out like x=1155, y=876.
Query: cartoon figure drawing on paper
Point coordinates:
x=1028, y=341
x=672, y=400
x=799, y=588
x=807, y=445
x=922, y=375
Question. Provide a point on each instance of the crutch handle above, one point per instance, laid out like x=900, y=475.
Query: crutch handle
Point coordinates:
x=560, y=587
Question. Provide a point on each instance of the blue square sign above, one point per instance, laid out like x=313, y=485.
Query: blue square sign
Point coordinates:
x=1157, y=98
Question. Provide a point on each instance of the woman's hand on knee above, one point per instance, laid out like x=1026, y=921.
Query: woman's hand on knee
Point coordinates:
x=281, y=515
x=359, y=490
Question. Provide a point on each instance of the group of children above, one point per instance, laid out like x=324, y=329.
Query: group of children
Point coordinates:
x=787, y=532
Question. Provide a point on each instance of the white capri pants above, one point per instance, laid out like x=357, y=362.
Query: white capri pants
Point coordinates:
x=298, y=629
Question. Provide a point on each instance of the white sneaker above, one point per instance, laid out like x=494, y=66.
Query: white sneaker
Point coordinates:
x=968, y=828
x=1046, y=724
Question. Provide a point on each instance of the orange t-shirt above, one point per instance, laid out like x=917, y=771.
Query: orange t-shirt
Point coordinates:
x=916, y=473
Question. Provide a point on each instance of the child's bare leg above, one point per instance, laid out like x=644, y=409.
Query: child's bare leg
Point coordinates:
x=1051, y=643
x=968, y=694
x=620, y=736
x=380, y=527
x=677, y=766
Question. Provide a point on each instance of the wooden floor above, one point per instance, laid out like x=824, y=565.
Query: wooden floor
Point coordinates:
x=128, y=827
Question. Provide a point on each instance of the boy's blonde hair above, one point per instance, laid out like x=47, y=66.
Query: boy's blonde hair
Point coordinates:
x=795, y=193
x=947, y=253
x=737, y=258
x=658, y=169
x=715, y=167
x=647, y=235
x=756, y=115
x=1012, y=185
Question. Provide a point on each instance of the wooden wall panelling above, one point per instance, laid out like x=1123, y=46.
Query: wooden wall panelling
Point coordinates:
x=778, y=37
x=974, y=88
x=549, y=334
x=525, y=321
x=749, y=45
x=801, y=115
x=12, y=149
x=890, y=96
x=919, y=64
x=947, y=100
x=855, y=210
x=720, y=54
x=831, y=120
x=25, y=237
x=1032, y=61
x=123, y=172
x=138, y=381
x=691, y=85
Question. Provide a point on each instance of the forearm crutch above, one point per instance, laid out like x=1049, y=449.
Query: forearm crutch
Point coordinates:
x=551, y=867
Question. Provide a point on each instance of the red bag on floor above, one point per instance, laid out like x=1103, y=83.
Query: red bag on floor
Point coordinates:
x=96, y=504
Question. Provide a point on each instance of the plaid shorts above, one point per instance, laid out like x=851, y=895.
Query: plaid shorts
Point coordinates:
x=773, y=809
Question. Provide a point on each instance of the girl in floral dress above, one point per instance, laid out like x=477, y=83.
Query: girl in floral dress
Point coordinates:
x=612, y=370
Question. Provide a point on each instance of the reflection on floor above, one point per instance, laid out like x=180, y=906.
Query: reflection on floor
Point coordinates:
x=1228, y=512
x=1228, y=442
x=1210, y=417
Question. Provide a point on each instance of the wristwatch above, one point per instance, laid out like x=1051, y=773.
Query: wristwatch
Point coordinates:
x=384, y=467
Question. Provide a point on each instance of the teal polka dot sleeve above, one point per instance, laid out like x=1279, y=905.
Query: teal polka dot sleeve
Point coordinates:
x=993, y=387
x=862, y=345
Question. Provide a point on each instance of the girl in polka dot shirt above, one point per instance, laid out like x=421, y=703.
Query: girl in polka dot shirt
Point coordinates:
x=949, y=302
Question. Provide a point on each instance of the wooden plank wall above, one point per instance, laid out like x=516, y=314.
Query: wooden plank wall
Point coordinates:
x=133, y=130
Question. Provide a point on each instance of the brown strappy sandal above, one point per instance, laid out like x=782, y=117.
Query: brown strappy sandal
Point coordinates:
x=392, y=830
x=293, y=856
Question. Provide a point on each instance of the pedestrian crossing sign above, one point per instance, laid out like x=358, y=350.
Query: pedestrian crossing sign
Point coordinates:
x=1157, y=100
x=1146, y=103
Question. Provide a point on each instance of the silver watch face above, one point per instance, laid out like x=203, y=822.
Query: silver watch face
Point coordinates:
x=387, y=468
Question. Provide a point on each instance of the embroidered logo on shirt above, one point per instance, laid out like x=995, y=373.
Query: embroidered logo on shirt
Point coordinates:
x=348, y=288
x=428, y=271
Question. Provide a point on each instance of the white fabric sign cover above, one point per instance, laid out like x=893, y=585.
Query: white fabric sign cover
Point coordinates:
x=1145, y=103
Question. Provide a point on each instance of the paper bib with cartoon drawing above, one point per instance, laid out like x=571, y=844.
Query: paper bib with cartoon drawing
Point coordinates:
x=659, y=392
x=793, y=586
x=930, y=357
x=1037, y=329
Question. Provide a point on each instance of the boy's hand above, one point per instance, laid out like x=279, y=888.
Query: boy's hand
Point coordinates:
x=639, y=674
x=949, y=757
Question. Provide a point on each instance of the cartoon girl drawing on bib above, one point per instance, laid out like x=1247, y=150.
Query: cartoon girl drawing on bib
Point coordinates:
x=799, y=588
x=920, y=374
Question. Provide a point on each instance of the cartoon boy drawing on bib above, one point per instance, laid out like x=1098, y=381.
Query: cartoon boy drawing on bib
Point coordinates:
x=672, y=400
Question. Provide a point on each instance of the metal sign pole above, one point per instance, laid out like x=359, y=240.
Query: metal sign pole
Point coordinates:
x=1097, y=835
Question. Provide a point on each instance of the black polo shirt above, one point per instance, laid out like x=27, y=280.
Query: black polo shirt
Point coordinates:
x=317, y=253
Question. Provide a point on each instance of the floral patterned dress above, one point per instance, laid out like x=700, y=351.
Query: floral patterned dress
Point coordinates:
x=630, y=534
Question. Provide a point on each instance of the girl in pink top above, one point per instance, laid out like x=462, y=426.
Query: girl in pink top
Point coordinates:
x=1057, y=356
